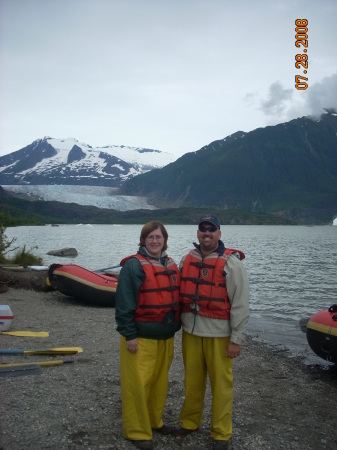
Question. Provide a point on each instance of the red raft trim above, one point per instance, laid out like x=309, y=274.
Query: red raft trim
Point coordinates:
x=95, y=283
x=322, y=334
x=323, y=322
x=76, y=281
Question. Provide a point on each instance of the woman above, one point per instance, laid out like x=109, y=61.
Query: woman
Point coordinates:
x=147, y=316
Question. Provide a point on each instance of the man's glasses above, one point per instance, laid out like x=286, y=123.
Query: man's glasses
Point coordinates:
x=210, y=229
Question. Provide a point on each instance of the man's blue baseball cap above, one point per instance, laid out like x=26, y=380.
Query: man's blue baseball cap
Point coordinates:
x=210, y=218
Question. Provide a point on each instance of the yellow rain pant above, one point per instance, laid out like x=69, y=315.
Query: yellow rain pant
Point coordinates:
x=144, y=384
x=204, y=355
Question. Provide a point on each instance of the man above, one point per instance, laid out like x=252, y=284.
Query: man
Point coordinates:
x=215, y=311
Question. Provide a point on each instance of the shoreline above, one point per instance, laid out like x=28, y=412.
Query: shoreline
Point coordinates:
x=279, y=402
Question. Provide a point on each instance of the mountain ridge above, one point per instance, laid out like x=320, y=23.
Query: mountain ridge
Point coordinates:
x=68, y=161
x=288, y=169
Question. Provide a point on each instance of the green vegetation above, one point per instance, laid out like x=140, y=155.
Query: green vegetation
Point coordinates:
x=4, y=243
x=41, y=213
x=21, y=256
x=26, y=258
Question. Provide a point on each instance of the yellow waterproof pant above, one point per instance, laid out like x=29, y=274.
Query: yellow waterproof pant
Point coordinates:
x=204, y=355
x=144, y=384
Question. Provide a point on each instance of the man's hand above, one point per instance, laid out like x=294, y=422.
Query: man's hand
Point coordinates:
x=132, y=345
x=233, y=350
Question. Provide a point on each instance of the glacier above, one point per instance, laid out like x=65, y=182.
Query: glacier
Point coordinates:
x=101, y=197
x=89, y=164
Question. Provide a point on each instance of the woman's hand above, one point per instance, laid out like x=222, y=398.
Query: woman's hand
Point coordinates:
x=132, y=345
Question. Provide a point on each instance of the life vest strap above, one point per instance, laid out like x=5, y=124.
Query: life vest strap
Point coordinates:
x=168, y=305
x=166, y=272
x=200, y=281
x=202, y=265
x=167, y=288
x=195, y=298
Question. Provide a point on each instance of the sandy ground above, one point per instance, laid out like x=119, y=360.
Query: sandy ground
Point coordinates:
x=279, y=403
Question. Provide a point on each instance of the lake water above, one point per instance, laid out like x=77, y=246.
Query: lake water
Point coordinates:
x=292, y=270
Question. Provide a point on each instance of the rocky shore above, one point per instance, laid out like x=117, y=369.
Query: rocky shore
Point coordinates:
x=279, y=403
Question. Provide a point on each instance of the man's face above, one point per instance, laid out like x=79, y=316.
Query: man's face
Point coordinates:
x=208, y=236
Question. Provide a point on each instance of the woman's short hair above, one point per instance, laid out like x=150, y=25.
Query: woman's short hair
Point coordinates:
x=148, y=228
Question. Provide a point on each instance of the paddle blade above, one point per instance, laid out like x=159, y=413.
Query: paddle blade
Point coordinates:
x=40, y=363
x=21, y=370
x=26, y=333
x=68, y=349
x=55, y=351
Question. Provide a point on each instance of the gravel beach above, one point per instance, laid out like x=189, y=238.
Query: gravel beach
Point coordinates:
x=279, y=403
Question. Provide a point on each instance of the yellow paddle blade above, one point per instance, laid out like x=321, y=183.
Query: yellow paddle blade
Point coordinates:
x=40, y=363
x=69, y=349
x=26, y=333
x=55, y=351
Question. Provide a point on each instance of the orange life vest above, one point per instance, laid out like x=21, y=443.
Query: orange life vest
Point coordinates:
x=203, y=283
x=159, y=294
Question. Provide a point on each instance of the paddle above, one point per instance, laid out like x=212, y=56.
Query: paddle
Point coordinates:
x=48, y=351
x=21, y=370
x=106, y=268
x=10, y=265
x=39, y=363
x=26, y=333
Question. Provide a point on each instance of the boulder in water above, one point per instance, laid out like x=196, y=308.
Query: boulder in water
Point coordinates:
x=63, y=252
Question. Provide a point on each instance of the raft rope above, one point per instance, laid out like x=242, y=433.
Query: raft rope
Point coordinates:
x=333, y=308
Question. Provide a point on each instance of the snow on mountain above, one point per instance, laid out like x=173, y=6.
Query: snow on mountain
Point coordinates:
x=102, y=197
x=143, y=156
x=132, y=155
x=70, y=171
x=70, y=162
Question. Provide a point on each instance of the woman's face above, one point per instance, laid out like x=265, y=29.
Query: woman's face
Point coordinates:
x=154, y=243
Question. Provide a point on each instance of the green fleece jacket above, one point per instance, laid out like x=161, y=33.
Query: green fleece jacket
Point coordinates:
x=130, y=279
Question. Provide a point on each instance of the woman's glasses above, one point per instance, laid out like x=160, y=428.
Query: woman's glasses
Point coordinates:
x=210, y=229
x=155, y=238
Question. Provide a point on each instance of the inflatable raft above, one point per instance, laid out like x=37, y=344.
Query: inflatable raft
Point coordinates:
x=97, y=288
x=321, y=333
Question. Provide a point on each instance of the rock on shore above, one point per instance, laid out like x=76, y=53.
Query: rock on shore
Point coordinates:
x=279, y=403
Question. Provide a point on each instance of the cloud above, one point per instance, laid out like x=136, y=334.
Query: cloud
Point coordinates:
x=277, y=99
x=286, y=104
x=322, y=96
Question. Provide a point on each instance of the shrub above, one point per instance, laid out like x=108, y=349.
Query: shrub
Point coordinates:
x=22, y=256
x=26, y=258
x=5, y=245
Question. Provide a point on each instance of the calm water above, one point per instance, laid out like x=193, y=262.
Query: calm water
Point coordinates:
x=292, y=270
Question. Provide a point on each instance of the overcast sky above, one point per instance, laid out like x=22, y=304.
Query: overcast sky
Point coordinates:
x=172, y=75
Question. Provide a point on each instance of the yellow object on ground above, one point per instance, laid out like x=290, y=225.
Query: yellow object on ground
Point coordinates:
x=144, y=383
x=40, y=363
x=26, y=333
